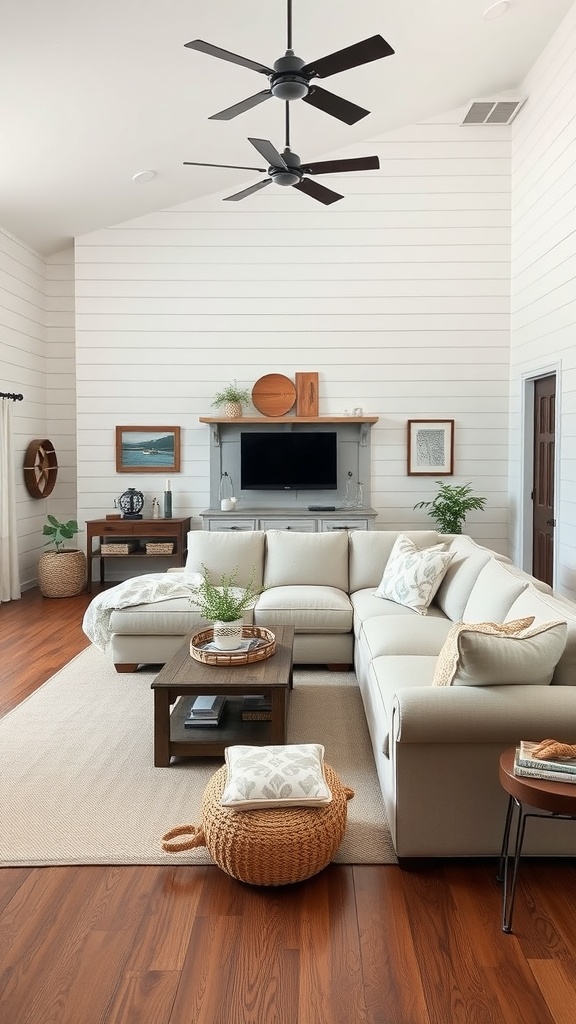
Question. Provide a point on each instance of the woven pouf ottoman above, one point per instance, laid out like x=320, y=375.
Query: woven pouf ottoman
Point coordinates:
x=273, y=846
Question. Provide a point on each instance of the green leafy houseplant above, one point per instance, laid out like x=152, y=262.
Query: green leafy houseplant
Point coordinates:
x=59, y=532
x=225, y=601
x=231, y=394
x=451, y=505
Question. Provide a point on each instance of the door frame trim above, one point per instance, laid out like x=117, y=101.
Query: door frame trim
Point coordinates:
x=527, y=463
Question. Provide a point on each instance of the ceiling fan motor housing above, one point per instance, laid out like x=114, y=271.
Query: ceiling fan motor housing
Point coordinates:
x=289, y=175
x=286, y=83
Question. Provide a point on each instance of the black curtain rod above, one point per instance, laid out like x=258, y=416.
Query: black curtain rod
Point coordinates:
x=10, y=394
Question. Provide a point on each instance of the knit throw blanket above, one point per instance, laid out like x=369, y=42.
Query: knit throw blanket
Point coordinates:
x=147, y=589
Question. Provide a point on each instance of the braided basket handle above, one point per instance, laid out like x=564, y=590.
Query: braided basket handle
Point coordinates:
x=195, y=837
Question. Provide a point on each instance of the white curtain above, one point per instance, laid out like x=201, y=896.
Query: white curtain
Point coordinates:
x=9, y=573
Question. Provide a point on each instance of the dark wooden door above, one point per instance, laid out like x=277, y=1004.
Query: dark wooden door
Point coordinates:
x=543, y=492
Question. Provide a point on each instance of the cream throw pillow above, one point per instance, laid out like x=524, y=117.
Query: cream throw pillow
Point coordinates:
x=280, y=776
x=412, y=574
x=490, y=653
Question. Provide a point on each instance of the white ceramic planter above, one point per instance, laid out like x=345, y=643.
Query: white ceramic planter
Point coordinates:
x=228, y=635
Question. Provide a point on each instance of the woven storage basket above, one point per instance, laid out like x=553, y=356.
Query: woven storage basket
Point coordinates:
x=274, y=846
x=62, y=573
x=160, y=547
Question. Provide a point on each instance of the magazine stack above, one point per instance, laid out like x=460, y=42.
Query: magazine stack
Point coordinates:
x=555, y=770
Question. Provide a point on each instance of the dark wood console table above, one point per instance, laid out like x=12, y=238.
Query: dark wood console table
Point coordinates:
x=139, y=530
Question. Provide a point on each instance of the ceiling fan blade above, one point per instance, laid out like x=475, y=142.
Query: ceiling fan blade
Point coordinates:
x=269, y=152
x=361, y=163
x=350, y=57
x=318, y=191
x=239, y=108
x=217, y=51
x=334, y=105
x=234, y=167
x=248, y=191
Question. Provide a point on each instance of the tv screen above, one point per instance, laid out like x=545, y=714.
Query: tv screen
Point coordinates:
x=288, y=461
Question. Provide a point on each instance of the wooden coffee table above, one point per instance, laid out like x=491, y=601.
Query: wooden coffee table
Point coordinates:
x=182, y=675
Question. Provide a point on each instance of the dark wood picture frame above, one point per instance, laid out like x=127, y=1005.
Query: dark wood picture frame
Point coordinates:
x=147, y=449
x=430, y=447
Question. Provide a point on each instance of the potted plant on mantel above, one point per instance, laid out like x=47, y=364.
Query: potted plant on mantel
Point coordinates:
x=62, y=572
x=232, y=398
x=451, y=505
x=224, y=605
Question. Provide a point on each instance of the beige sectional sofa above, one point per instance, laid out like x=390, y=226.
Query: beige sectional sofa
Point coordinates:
x=436, y=748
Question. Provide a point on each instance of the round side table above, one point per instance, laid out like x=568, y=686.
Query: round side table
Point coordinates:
x=554, y=799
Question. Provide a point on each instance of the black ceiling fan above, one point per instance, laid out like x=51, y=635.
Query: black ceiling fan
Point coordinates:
x=290, y=77
x=286, y=169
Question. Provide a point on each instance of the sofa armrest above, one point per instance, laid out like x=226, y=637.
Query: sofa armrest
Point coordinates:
x=483, y=714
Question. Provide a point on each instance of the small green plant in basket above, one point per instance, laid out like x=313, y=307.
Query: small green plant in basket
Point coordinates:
x=58, y=532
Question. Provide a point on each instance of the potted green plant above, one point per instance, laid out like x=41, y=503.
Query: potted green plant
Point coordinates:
x=224, y=604
x=451, y=505
x=61, y=572
x=232, y=398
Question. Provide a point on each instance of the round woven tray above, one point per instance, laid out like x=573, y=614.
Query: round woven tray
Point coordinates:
x=227, y=658
x=274, y=846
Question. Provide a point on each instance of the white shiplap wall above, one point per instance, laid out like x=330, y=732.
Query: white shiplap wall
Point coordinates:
x=543, y=272
x=398, y=296
x=23, y=370
x=37, y=359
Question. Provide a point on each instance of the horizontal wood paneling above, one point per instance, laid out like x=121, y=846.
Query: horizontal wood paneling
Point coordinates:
x=543, y=319
x=398, y=297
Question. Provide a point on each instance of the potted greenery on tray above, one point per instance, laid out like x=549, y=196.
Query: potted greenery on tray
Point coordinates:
x=232, y=398
x=451, y=505
x=224, y=605
x=62, y=572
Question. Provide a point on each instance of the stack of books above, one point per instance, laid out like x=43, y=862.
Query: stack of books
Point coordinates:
x=256, y=708
x=528, y=766
x=205, y=711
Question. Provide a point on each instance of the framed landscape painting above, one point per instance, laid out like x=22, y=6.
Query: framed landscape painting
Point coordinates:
x=147, y=449
x=430, y=447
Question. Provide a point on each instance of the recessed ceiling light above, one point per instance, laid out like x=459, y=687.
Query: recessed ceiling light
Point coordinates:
x=141, y=176
x=496, y=10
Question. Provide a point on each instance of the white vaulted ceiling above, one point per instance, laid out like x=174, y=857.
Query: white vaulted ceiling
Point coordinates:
x=92, y=93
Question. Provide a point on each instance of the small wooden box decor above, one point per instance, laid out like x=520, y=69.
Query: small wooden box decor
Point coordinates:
x=118, y=548
x=306, y=394
x=160, y=548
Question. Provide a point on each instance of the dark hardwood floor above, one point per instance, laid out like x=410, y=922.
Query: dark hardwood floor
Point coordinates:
x=354, y=945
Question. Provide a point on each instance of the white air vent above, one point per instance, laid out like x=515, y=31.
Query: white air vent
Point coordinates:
x=492, y=111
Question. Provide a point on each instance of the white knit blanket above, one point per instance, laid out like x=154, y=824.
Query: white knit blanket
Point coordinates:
x=155, y=586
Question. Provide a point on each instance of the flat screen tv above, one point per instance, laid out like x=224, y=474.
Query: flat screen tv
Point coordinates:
x=288, y=461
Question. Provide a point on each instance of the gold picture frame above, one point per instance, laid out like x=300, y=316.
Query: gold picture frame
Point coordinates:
x=147, y=449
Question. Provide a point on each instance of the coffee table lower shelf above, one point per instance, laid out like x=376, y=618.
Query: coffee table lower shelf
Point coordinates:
x=211, y=740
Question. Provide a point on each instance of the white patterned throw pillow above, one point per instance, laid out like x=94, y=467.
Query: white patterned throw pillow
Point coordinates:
x=291, y=775
x=412, y=574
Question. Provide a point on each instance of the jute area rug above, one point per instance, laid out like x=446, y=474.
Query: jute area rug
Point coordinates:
x=78, y=785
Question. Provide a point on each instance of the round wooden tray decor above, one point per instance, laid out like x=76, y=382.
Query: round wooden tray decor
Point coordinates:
x=274, y=394
x=229, y=658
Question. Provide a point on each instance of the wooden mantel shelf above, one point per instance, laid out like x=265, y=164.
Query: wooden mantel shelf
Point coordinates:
x=288, y=419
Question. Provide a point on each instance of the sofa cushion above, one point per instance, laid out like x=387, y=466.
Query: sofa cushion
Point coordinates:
x=370, y=550
x=494, y=592
x=309, y=559
x=308, y=609
x=278, y=776
x=468, y=560
x=388, y=675
x=412, y=575
x=367, y=606
x=494, y=654
x=545, y=607
x=422, y=636
x=223, y=552
x=175, y=617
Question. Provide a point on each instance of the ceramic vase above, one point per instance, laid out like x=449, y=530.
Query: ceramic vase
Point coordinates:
x=228, y=635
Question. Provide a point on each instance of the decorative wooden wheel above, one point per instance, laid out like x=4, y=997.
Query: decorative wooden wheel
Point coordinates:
x=40, y=468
